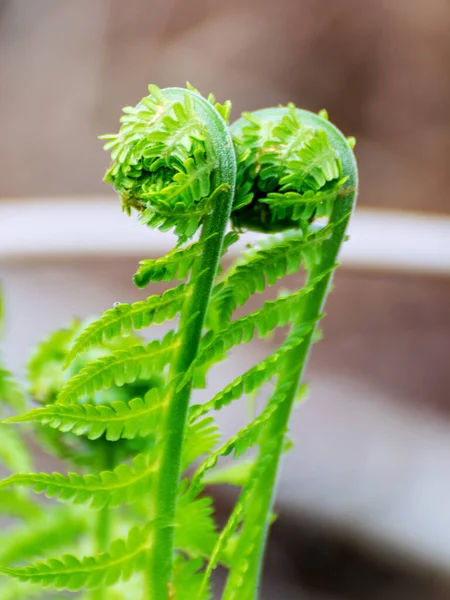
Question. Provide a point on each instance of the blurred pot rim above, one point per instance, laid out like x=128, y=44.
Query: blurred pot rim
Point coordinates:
x=86, y=226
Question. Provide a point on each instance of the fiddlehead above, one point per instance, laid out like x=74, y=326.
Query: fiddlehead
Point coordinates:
x=176, y=156
x=167, y=158
x=289, y=171
x=317, y=177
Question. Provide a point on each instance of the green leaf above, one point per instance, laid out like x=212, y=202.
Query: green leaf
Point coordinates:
x=14, y=590
x=125, y=484
x=73, y=574
x=38, y=537
x=263, y=265
x=242, y=441
x=187, y=580
x=195, y=530
x=315, y=165
x=201, y=437
x=45, y=373
x=249, y=381
x=237, y=473
x=136, y=418
x=16, y=504
x=120, y=367
x=175, y=265
x=13, y=452
x=120, y=320
x=275, y=313
x=10, y=393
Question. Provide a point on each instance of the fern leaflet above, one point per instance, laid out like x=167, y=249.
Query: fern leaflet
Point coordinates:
x=120, y=367
x=125, y=483
x=242, y=441
x=136, y=418
x=175, y=265
x=249, y=381
x=195, y=530
x=275, y=313
x=120, y=320
x=71, y=573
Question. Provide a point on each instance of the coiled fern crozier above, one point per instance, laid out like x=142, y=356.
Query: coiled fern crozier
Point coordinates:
x=119, y=409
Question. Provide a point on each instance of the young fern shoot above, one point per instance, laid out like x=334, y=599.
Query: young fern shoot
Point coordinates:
x=124, y=406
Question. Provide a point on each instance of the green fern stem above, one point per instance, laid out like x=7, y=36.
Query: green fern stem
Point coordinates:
x=160, y=556
x=104, y=519
x=244, y=578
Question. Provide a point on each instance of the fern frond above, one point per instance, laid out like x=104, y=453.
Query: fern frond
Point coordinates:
x=120, y=320
x=14, y=504
x=136, y=418
x=301, y=208
x=201, y=438
x=10, y=392
x=13, y=590
x=249, y=381
x=192, y=181
x=262, y=266
x=37, y=538
x=13, y=452
x=315, y=165
x=73, y=574
x=288, y=137
x=252, y=527
x=125, y=484
x=164, y=162
x=275, y=313
x=289, y=172
x=195, y=530
x=187, y=580
x=45, y=373
x=237, y=473
x=253, y=471
x=242, y=441
x=120, y=367
x=174, y=265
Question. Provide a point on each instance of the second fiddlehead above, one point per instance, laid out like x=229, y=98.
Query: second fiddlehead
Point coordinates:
x=302, y=168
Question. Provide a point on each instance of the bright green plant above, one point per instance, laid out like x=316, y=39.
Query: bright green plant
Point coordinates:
x=136, y=510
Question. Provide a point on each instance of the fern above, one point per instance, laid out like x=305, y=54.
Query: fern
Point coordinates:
x=15, y=504
x=195, y=530
x=124, y=484
x=201, y=437
x=13, y=452
x=120, y=367
x=10, y=392
x=175, y=265
x=248, y=382
x=36, y=539
x=276, y=313
x=71, y=573
x=136, y=449
x=120, y=320
x=187, y=582
x=136, y=418
x=262, y=266
x=242, y=441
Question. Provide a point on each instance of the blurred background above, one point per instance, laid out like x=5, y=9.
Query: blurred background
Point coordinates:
x=363, y=505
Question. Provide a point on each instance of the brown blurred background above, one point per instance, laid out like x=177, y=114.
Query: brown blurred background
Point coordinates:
x=382, y=70
x=380, y=67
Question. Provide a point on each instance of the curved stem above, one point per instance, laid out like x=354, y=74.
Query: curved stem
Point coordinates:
x=244, y=579
x=160, y=558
